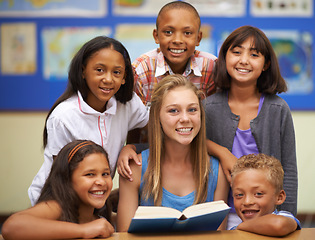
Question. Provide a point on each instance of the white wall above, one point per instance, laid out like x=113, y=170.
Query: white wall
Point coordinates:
x=22, y=155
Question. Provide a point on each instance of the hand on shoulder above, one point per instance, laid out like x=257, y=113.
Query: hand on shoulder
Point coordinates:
x=127, y=153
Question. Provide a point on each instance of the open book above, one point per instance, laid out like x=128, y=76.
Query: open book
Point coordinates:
x=200, y=217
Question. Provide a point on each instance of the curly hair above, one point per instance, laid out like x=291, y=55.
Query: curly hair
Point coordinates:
x=262, y=162
x=76, y=81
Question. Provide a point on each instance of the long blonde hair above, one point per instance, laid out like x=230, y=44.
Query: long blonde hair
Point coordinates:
x=199, y=156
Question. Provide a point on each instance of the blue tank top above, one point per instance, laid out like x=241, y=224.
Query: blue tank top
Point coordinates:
x=174, y=201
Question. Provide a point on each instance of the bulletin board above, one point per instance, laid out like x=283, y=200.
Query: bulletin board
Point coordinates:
x=39, y=39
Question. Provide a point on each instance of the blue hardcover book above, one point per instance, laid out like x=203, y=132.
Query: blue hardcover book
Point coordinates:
x=200, y=217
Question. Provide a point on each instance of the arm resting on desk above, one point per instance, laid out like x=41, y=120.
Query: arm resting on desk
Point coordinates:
x=40, y=222
x=269, y=225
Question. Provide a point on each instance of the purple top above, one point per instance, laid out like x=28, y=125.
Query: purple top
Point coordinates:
x=244, y=144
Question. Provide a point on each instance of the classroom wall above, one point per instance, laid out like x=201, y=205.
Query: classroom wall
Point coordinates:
x=22, y=156
x=25, y=99
x=38, y=42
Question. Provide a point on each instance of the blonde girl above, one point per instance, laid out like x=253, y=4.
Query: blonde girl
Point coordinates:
x=176, y=170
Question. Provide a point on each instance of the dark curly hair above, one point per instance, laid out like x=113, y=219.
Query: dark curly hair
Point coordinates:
x=76, y=82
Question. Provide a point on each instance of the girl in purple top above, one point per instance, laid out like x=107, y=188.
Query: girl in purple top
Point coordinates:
x=245, y=115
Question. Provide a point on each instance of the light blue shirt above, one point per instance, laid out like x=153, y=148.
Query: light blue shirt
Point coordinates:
x=285, y=214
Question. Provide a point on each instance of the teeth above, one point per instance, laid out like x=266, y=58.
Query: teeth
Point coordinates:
x=177, y=50
x=243, y=70
x=183, y=130
x=98, y=193
x=249, y=211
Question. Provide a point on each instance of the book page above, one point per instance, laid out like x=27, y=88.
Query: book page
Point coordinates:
x=204, y=208
x=145, y=212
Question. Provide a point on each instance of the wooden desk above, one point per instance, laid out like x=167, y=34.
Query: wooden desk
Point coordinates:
x=304, y=234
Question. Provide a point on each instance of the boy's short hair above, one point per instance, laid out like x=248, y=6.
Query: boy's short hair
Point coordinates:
x=261, y=162
x=178, y=5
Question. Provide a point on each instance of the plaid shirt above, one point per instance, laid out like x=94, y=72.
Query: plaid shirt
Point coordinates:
x=151, y=67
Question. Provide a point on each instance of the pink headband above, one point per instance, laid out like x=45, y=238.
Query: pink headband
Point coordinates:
x=76, y=148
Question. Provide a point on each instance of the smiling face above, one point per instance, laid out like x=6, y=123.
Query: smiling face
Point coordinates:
x=177, y=34
x=254, y=195
x=104, y=74
x=180, y=116
x=92, y=181
x=244, y=64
